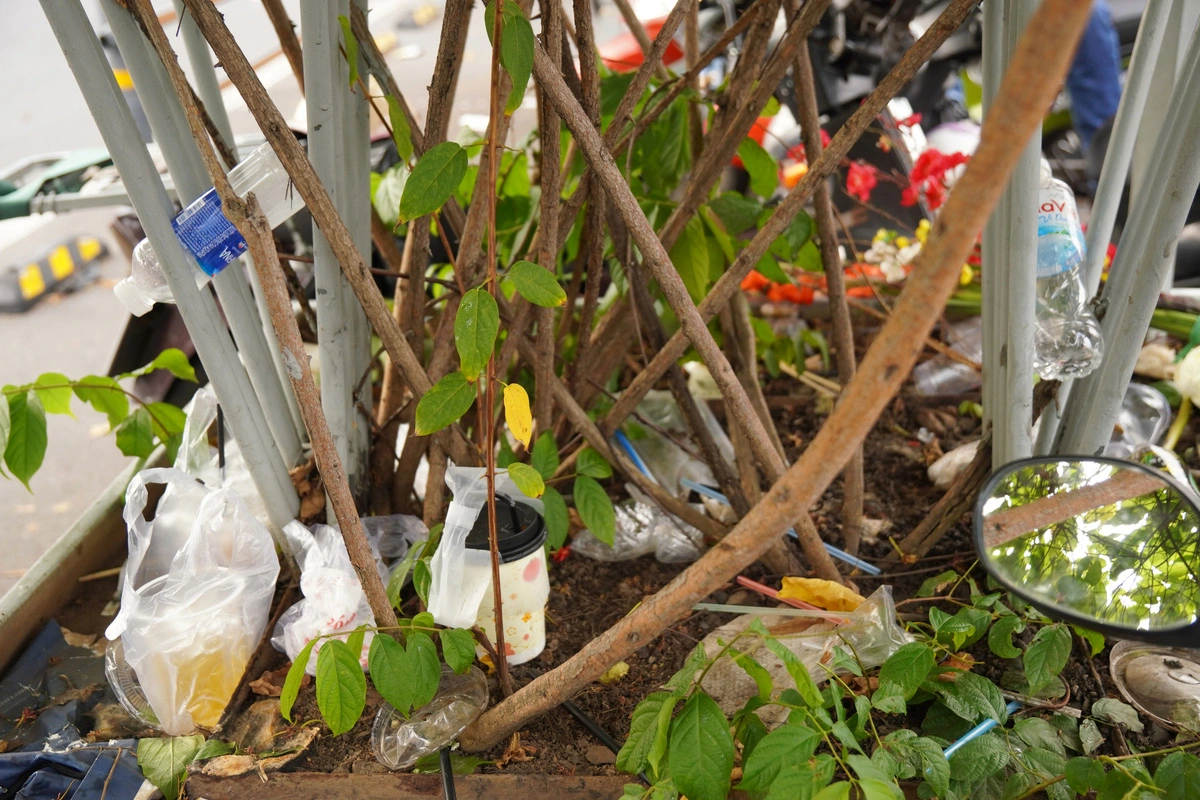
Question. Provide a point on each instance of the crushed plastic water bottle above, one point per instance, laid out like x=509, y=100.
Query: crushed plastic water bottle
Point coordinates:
x=1068, y=339
x=207, y=235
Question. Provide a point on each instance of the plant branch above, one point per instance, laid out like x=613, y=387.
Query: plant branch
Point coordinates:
x=1038, y=65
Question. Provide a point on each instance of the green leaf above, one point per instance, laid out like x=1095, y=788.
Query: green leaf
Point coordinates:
x=906, y=669
x=355, y=641
x=760, y=676
x=799, y=232
x=682, y=680
x=700, y=756
x=386, y=193
x=1046, y=655
x=769, y=268
x=736, y=211
x=972, y=697
x=537, y=284
x=544, y=457
x=341, y=686
x=634, y=754
x=174, y=361
x=5, y=427
x=808, y=258
x=135, y=436
x=166, y=420
x=527, y=479
x=401, y=131
x=554, y=511
x=834, y=791
x=592, y=464
x=1001, y=633
x=433, y=179
x=1086, y=774
x=1179, y=775
x=786, y=745
x=422, y=578
x=977, y=759
x=475, y=329
x=295, y=675
x=763, y=172
x=351, y=50
x=391, y=672
x=750, y=731
x=426, y=669
x=1095, y=640
x=933, y=767
x=1089, y=736
x=214, y=748
x=795, y=667
x=1118, y=713
x=26, y=446
x=444, y=403
x=400, y=573
x=164, y=762
x=595, y=508
x=936, y=584
x=459, y=764
x=54, y=390
x=458, y=648
x=690, y=257
x=658, y=744
x=105, y=395
x=516, y=56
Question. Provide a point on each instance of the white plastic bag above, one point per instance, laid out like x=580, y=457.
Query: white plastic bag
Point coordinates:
x=334, y=600
x=197, y=458
x=196, y=597
x=461, y=576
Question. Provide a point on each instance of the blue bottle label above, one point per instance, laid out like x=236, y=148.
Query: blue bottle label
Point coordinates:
x=204, y=232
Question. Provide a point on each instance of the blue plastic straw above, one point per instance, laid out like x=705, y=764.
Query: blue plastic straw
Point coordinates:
x=627, y=446
x=979, y=730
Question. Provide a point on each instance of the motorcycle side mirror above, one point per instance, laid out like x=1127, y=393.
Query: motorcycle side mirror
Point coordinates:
x=1106, y=544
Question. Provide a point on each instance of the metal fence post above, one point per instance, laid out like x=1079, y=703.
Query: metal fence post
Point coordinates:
x=242, y=409
x=183, y=160
x=1144, y=259
x=1010, y=262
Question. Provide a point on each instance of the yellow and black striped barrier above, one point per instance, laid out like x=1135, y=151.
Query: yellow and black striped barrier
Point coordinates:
x=65, y=268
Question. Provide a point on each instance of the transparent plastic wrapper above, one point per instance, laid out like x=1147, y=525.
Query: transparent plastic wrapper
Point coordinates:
x=941, y=375
x=870, y=632
x=399, y=742
x=643, y=529
x=461, y=575
x=196, y=597
x=390, y=537
x=1143, y=419
x=334, y=600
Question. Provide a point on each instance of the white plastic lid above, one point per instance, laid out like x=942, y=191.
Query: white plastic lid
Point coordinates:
x=132, y=297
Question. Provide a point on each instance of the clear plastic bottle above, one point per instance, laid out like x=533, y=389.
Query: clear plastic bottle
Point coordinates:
x=1068, y=339
x=207, y=235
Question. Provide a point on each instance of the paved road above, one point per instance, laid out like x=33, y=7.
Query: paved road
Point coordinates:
x=77, y=334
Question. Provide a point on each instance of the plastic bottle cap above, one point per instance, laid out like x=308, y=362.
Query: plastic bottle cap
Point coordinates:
x=132, y=297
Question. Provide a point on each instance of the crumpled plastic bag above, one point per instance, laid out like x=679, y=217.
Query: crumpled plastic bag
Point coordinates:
x=461, y=576
x=643, y=528
x=334, y=601
x=870, y=632
x=667, y=461
x=196, y=596
x=198, y=458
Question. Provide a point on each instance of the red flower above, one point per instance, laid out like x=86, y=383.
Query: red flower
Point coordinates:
x=908, y=122
x=860, y=180
x=754, y=282
x=560, y=555
x=935, y=193
x=786, y=292
x=929, y=176
x=909, y=196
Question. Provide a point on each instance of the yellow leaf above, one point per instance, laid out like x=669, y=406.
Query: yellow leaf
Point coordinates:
x=615, y=673
x=517, y=413
x=821, y=593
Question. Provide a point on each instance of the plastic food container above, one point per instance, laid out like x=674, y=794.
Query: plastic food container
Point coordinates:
x=523, y=580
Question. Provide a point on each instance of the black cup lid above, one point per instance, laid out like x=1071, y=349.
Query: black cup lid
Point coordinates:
x=520, y=530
